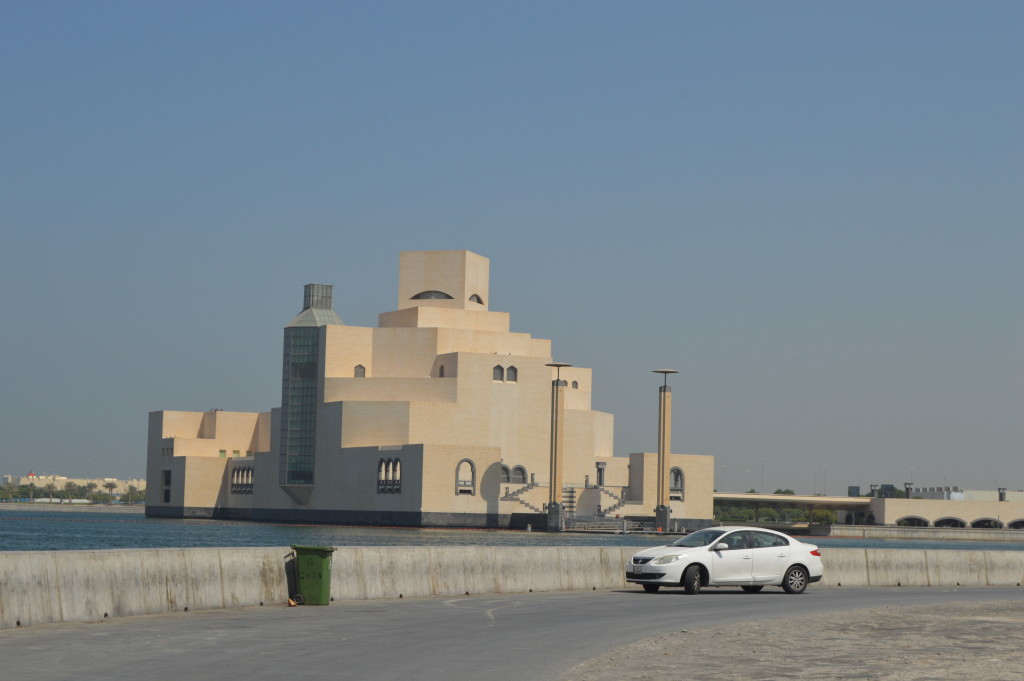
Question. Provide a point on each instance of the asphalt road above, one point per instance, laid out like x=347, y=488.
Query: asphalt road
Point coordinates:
x=525, y=636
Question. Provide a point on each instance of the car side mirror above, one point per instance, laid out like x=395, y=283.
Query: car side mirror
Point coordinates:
x=721, y=547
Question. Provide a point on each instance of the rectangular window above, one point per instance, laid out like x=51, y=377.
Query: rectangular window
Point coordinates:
x=235, y=453
x=223, y=453
x=167, y=478
x=167, y=496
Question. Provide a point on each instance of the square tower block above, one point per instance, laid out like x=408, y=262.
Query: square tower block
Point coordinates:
x=451, y=279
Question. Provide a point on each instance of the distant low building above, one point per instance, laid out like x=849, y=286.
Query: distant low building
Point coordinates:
x=946, y=506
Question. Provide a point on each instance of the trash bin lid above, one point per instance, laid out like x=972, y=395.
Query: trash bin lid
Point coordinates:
x=312, y=548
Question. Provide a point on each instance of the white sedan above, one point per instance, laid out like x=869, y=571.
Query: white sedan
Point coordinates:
x=747, y=557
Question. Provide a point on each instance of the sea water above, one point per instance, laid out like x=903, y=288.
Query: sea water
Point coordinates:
x=41, y=530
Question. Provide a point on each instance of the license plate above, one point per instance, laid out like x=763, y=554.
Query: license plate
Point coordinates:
x=638, y=569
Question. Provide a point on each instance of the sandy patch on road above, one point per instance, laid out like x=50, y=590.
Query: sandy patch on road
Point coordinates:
x=962, y=641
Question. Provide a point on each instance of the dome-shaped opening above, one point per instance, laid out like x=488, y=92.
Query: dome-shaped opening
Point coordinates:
x=432, y=295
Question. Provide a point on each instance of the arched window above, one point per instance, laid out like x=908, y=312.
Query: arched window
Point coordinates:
x=575, y=384
x=518, y=475
x=360, y=371
x=432, y=295
x=476, y=299
x=506, y=475
x=465, y=477
x=498, y=373
x=440, y=371
x=675, y=484
x=512, y=374
x=389, y=476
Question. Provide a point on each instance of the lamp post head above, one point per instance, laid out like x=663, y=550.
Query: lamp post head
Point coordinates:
x=665, y=373
x=558, y=368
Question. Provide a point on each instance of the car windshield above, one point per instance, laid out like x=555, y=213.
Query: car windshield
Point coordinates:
x=700, y=538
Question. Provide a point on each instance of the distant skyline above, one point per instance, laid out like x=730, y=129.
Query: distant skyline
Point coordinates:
x=812, y=211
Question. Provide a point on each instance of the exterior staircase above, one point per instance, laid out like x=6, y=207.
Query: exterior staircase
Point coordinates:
x=569, y=501
x=619, y=500
x=514, y=496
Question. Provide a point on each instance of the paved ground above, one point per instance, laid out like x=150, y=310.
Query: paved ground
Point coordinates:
x=897, y=634
x=961, y=641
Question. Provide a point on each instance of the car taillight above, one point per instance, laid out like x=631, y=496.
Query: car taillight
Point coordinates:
x=815, y=552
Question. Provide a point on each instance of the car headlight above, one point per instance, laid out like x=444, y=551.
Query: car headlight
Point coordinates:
x=665, y=560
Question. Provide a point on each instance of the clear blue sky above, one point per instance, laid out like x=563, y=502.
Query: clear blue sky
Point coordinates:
x=812, y=210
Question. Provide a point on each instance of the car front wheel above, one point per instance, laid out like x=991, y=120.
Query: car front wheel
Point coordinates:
x=795, y=581
x=691, y=579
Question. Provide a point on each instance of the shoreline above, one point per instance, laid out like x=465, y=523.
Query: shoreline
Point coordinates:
x=92, y=508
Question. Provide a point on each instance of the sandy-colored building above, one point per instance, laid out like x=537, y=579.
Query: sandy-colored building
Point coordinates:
x=439, y=416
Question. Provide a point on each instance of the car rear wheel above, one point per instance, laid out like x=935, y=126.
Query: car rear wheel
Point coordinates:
x=651, y=588
x=795, y=581
x=691, y=579
x=753, y=588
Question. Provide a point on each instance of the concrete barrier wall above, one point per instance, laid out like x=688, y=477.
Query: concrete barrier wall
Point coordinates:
x=897, y=532
x=38, y=587
x=903, y=567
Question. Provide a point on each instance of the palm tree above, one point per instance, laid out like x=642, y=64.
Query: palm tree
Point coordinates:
x=132, y=495
x=50, y=488
x=69, y=490
x=31, y=491
x=90, y=487
x=10, y=488
x=111, y=486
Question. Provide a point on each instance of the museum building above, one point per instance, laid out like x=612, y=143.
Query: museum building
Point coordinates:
x=438, y=417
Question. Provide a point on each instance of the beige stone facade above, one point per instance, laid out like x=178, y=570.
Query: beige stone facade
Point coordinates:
x=439, y=416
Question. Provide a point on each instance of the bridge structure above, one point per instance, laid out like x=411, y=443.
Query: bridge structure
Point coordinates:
x=808, y=503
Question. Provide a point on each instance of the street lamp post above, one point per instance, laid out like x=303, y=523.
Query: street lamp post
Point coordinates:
x=556, y=511
x=663, y=511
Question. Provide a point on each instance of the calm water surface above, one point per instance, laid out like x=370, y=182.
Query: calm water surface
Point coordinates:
x=31, y=530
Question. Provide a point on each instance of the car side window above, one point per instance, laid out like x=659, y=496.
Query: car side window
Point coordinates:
x=763, y=540
x=737, y=540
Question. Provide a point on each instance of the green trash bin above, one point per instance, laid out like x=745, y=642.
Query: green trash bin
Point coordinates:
x=313, y=574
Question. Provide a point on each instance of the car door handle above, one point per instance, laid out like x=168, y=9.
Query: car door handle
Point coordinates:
x=747, y=557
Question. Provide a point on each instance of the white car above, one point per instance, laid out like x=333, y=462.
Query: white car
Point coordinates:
x=747, y=557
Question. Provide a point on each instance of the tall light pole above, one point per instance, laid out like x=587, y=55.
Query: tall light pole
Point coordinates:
x=663, y=511
x=556, y=516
